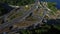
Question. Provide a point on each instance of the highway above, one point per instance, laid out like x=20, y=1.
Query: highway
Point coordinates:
x=33, y=25
x=18, y=19
x=21, y=18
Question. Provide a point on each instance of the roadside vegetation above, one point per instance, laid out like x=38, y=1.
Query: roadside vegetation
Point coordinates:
x=52, y=6
x=45, y=29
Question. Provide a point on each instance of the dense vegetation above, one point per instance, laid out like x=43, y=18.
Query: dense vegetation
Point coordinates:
x=17, y=2
x=52, y=6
